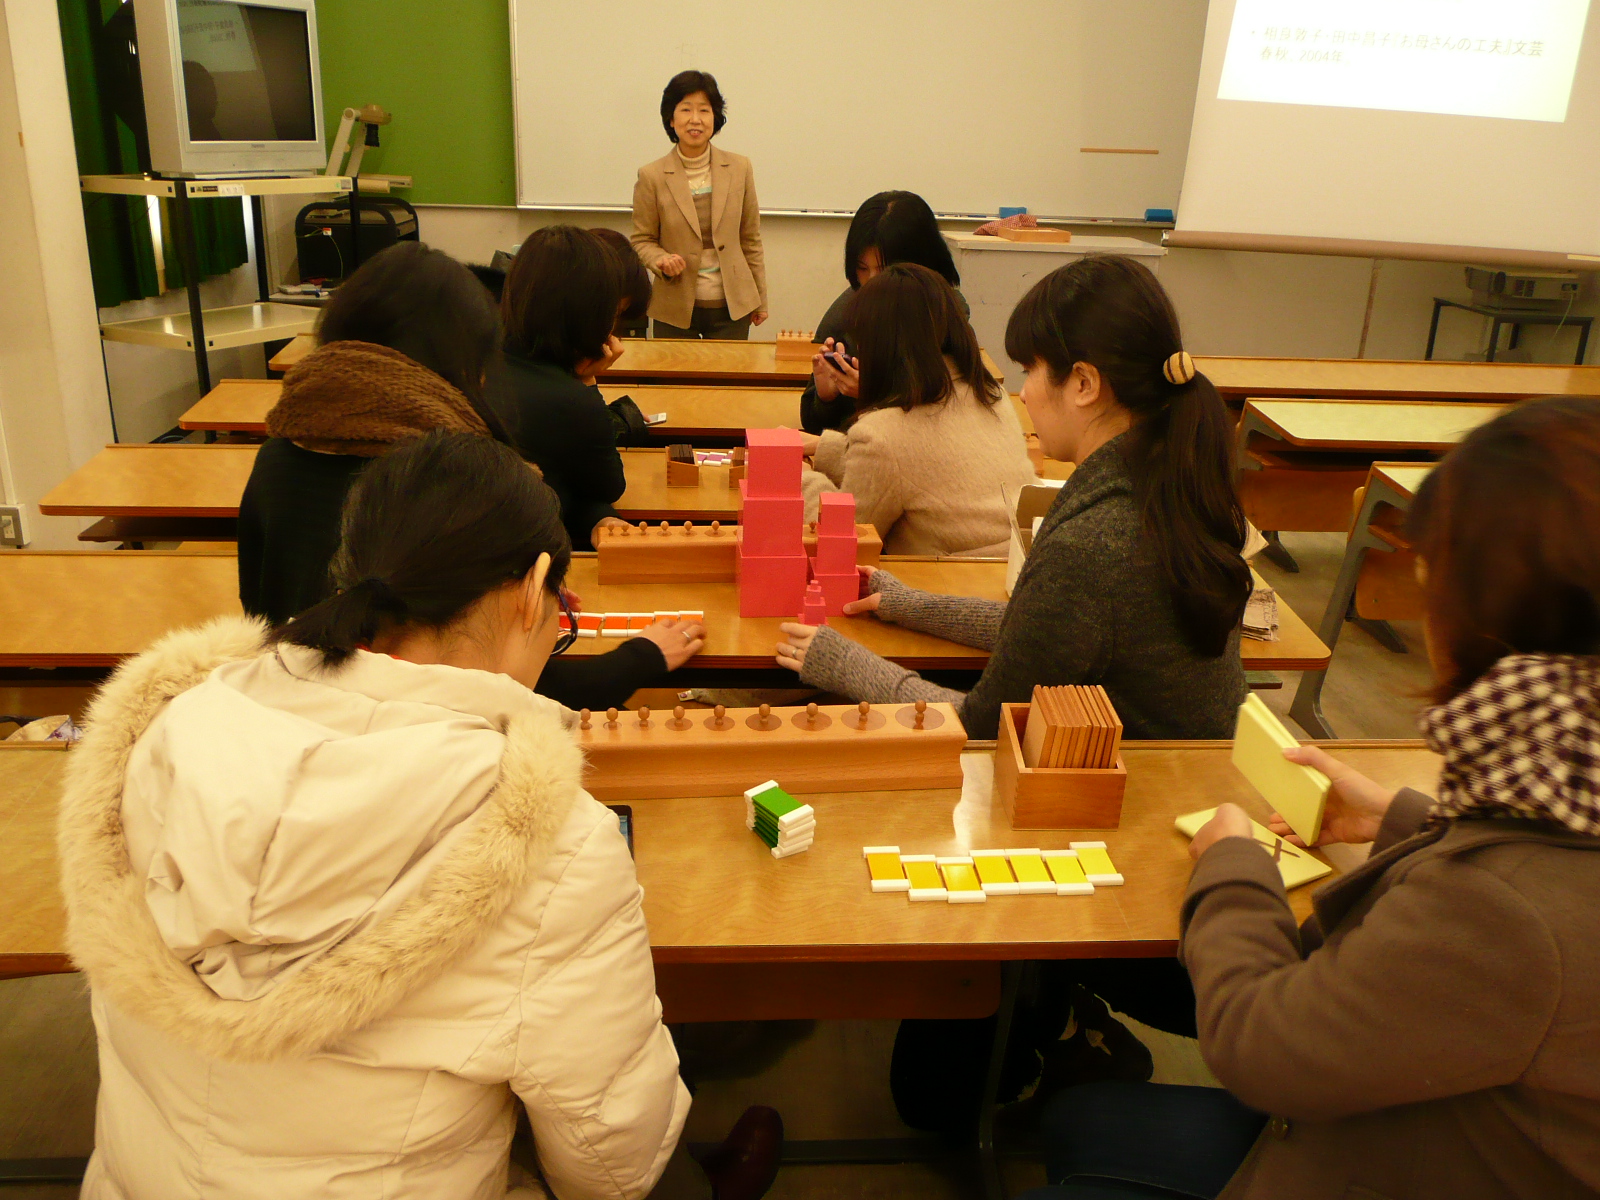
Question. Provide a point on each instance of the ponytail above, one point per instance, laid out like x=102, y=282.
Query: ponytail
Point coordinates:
x=1110, y=311
x=428, y=531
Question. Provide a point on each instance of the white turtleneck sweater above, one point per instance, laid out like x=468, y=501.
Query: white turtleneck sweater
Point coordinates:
x=708, y=283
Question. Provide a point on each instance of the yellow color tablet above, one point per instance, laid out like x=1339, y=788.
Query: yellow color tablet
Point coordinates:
x=1296, y=793
x=961, y=881
x=1097, y=866
x=1067, y=870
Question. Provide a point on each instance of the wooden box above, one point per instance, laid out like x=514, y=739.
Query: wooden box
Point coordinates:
x=682, y=470
x=795, y=345
x=1034, y=235
x=698, y=554
x=828, y=753
x=1052, y=797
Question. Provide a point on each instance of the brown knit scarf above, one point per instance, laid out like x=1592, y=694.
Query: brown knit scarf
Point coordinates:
x=361, y=398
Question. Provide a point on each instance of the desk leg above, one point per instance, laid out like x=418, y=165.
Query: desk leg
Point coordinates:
x=1382, y=632
x=994, y=1184
x=1278, y=552
x=1433, y=329
x=1583, y=342
x=1494, y=338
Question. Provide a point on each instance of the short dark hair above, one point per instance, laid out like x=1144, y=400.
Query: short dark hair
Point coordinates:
x=429, y=530
x=901, y=326
x=427, y=306
x=492, y=278
x=1505, y=527
x=1111, y=312
x=903, y=229
x=561, y=297
x=687, y=83
x=632, y=276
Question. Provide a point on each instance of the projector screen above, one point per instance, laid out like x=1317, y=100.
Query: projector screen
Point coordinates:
x=1449, y=129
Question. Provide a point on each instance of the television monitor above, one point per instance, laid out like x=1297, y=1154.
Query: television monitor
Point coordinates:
x=231, y=88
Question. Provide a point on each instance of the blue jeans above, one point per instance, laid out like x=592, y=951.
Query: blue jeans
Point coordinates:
x=1117, y=1140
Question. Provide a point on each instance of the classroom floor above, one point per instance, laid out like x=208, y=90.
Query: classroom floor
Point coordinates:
x=829, y=1079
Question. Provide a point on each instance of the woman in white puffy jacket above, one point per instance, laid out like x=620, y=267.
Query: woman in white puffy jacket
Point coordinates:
x=339, y=892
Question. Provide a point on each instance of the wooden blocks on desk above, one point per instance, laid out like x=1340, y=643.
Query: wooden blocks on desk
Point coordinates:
x=682, y=470
x=1034, y=235
x=795, y=345
x=643, y=756
x=693, y=553
x=1052, y=797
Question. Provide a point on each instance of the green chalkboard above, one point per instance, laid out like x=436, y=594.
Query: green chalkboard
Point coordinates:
x=443, y=68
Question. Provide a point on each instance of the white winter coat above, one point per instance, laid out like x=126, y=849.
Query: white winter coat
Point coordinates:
x=333, y=920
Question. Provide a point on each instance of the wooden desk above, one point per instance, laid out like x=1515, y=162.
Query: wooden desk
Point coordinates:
x=714, y=362
x=693, y=411
x=1390, y=488
x=94, y=608
x=1395, y=379
x=709, y=928
x=302, y=345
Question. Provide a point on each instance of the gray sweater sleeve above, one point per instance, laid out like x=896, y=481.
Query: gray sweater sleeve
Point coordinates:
x=961, y=619
x=837, y=664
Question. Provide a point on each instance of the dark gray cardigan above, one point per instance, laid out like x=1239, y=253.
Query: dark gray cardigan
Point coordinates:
x=1087, y=608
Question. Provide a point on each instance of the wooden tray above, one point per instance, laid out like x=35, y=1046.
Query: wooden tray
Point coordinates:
x=1052, y=797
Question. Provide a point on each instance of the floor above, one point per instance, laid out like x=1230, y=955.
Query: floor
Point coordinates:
x=830, y=1080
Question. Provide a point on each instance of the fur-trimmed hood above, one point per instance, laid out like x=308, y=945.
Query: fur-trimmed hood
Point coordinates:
x=259, y=857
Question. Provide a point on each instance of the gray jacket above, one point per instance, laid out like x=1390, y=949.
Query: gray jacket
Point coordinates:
x=1088, y=608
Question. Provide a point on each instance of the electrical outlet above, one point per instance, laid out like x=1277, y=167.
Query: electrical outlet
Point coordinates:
x=12, y=531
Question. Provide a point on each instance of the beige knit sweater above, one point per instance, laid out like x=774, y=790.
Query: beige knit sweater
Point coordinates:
x=932, y=480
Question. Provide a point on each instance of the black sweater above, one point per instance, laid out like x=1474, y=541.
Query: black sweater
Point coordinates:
x=289, y=530
x=562, y=425
x=816, y=414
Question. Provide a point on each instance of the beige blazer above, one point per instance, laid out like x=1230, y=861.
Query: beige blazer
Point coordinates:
x=665, y=222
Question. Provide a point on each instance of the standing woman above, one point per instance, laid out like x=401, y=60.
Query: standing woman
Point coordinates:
x=696, y=223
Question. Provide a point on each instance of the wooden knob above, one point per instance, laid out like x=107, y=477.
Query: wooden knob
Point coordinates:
x=719, y=712
x=583, y=718
x=865, y=710
x=622, y=532
x=611, y=716
x=688, y=528
x=643, y=528
x=922, y=712
x=644, y=715
x=677, y=713
x=811, y=713
x=716, y=529
x=765, y=710
x=663, y=527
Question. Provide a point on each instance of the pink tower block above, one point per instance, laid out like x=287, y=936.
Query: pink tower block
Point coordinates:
x=839, y=590
x=836, y=553
x=815, y=610
x=772, y=461
x=836, y=514
x=770, y=585
x=771, y=524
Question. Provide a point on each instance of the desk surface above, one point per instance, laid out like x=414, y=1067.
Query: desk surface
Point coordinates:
x=298, y=348
x=1404, y=478
x=136, y=480
x=1368, y=424
x=830, y=914
x=1241, y=378
x=241, y=406
x=53, y=611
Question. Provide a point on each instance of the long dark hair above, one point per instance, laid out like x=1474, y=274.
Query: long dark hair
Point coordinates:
x=428, y=531
x=903, y=229
x=902, y=325
x=634, y=280
x=561, y=296
x=1109, y=311
x=1506, y=527
x=427, y=306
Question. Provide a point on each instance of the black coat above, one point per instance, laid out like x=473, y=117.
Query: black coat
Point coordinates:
x=289, y=530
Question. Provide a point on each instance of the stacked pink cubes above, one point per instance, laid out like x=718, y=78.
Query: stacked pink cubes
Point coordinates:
x=772, y=566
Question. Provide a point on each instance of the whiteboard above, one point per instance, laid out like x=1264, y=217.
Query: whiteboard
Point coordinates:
x=971, y=105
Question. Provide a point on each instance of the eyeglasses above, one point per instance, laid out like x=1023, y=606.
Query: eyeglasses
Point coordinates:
x=568, y=637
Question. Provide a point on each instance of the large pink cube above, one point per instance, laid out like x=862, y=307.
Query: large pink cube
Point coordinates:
x=772, y=461
x=837, y=514
x=839, y=590
x=836, y=553
x=772, y=524
x=770, y=585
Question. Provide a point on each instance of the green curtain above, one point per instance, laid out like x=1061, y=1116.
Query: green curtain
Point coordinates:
x=107, y=130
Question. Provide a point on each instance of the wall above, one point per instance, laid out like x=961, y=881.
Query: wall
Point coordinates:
x=53, y=409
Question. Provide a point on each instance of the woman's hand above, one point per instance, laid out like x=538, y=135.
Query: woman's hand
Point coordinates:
x=759, y=317
x=679, y=640
x=587, y=368
x=792, y=653
x=604, y=523
x=671, y=266
x=1355, y=808
x=1230, y=821
x=868, y=602
x=831, y=381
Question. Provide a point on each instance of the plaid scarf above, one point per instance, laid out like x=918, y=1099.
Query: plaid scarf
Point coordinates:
x=1523, y=742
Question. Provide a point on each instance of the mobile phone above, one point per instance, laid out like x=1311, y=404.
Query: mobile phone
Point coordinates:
x=840, y=361
x=655, y=418
x=625, y=819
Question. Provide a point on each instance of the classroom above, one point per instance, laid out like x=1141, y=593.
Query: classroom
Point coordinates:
x=855, y=600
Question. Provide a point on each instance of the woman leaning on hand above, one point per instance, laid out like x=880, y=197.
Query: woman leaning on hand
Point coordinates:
x=1433, y=1031
x=696, y=223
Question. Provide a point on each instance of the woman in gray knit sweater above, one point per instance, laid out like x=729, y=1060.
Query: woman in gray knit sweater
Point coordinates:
x=1135, y=580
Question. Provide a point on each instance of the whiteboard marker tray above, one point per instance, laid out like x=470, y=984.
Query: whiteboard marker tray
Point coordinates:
x=242, y=325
